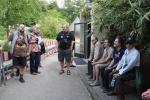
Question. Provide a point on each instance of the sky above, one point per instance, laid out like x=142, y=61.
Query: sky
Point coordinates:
x=60, y=2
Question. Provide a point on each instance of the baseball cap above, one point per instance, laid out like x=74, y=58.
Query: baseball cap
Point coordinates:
x=130, y=40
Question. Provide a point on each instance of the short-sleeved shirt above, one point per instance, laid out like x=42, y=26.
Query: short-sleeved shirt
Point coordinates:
x=108, y=52
x=64, y=40
x=19, y=52
x=118, y=55
x=34, y=40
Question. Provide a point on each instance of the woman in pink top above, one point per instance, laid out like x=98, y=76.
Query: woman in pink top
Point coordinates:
x=35, y=52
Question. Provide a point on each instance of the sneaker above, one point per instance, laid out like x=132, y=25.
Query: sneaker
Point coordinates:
x=33, y=73
x=72, y=66
x=96, y=83
x=111, y=93
x=38, y=72
x=61, y=72
x=21, y=80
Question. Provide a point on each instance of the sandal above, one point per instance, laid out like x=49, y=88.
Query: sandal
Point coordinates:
x=68, y=72
x=61, y=72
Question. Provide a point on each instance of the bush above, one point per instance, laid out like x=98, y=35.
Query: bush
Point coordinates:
x=6, y=48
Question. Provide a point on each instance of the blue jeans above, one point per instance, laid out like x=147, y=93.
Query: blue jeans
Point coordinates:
x=34, y=61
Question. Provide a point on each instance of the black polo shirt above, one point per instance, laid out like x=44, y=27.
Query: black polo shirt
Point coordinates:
x=64, y=40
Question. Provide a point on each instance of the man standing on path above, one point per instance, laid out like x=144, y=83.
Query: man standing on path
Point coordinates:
x=65, y=44
x=19, y=50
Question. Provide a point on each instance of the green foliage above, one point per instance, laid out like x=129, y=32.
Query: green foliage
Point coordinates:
x=3, y=33
x=72, y=9
x=18, y=11
x=126, y=17
x=7, y=47
x=85, y=12
x=13, y=12
x=51, y=23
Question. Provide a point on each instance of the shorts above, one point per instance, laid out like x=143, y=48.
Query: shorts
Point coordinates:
x=19, y=61
x=64, y=55
x=103, y=65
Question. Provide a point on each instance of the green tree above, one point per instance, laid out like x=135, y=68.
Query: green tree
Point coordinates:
x=126, y=17
x=20, y=11
x=51, y=23
x=72, y=9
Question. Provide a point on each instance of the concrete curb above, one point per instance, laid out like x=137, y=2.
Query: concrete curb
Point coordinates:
x=92, y=92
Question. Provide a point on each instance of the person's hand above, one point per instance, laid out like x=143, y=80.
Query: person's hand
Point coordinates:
x=23, y=46
x=114, y=66
x=108, y=68
x=28, y=54
x=146, y=95
x=93, y=63
x=116, y=75
x=89, y=59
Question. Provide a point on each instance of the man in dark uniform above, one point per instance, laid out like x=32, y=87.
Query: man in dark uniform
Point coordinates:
x=65, y=44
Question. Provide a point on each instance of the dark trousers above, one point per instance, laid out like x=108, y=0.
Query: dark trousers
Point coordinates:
x=119, y=86
x=90, y=68
x=102, y=69
x=34, y=61
x=107, y=78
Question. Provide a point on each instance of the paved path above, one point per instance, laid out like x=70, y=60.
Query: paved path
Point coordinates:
x=49, y=85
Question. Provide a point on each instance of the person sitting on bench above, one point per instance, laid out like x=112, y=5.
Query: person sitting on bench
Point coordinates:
x=117, y=55
x=125, y=70
x=95, y=53
x=103, y=62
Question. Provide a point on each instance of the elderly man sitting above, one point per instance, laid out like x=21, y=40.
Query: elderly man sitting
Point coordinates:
x=103, y=62
x=95, y=53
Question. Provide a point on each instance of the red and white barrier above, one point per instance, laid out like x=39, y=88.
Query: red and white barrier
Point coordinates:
x=51, y=46
x=6, y=56
x=50, y=42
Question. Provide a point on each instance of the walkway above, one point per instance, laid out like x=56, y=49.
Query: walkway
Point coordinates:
x=49, y=85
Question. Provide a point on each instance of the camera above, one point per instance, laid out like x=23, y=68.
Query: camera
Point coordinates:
x=20, y=43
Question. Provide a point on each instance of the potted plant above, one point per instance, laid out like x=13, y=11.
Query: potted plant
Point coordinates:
x=6, y=55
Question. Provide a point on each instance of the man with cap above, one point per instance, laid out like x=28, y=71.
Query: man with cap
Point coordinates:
x=125, y=70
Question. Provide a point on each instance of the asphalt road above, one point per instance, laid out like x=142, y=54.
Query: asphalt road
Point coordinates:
x=48, y=85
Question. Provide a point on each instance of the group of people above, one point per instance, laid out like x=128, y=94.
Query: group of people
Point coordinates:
x=24, y=45
x=115, y=64
x=109, y=66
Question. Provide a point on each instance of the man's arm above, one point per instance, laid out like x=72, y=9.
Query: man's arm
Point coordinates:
x=71, y=47
x=57, y=39
x=10, y=38
x=111, y=64
x=91, y=52
x=133, y=62
x=96, y=52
